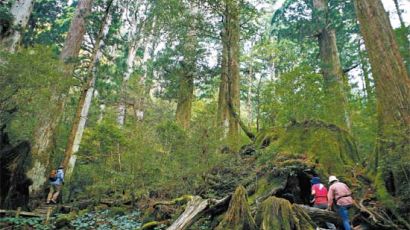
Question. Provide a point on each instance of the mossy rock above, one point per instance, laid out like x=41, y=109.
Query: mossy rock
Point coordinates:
x=279, y=214
x=115, y=211
x=330, y=149
x=64, y=220
x=238, y=216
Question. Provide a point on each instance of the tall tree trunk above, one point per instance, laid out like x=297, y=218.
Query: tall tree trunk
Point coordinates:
x=364, y=66
x=393, y=97
x=331, y=68
x=229, y=88
x=185, y=97
x=72, y=44
x=44, y=133
x=122, y=106
x=249, y=96
x=186, y=82
x=135, y=40
x=21, y=11
x=403, y=35
x=142, y=97
x=223, y=112
x=233, y=29
x=86, y=96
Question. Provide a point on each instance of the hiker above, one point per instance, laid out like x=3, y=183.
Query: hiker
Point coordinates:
x=56, y=180
x=339, y=195
x=319, y=193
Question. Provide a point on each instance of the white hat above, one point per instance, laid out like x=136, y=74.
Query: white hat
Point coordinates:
x=332, y=178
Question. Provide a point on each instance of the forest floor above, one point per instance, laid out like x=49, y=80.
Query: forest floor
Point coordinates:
x=231, y=197
x=160, y=214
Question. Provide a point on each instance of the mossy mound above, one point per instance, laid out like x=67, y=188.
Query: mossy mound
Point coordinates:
x=279, y=214
x=330, y=149
x=299, y=152
x=265, y=137
x=238, y=216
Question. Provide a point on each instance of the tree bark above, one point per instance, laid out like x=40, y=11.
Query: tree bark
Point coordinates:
x=186, y=81
x=87, y=93
x=223, y=113
x=389, y=72
x=392, y=92
x=331, y=67
x=233, y=28
x=72, y=44
x=21, y=11
x=185, y=97
x=44, y=133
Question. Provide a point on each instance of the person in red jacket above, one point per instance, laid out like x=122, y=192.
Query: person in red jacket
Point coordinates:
x=319, y=193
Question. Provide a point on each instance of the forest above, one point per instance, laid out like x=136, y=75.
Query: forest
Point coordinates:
x=204, y=114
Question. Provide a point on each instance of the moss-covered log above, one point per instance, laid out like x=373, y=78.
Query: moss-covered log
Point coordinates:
x=320, y=216
x=238, y=216
x=279, y=214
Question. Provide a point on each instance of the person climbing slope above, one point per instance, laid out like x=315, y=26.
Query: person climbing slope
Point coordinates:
x=56, y=181
x=319, y=193
x=339, y=194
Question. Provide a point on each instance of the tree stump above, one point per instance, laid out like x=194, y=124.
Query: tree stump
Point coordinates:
x=279, y=214
x=238, y=216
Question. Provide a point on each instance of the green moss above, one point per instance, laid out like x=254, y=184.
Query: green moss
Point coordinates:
x=279, y=214
x=265, y=137
x=238, y=216
x=83, y=212
x=329, y=148
x=265, y=184
x=118, y=211
x=65, y=219
x=150, y=225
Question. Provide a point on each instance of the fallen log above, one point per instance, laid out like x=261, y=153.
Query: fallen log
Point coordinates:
x=195, y=208
x=21, y=213
x=321, y=216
